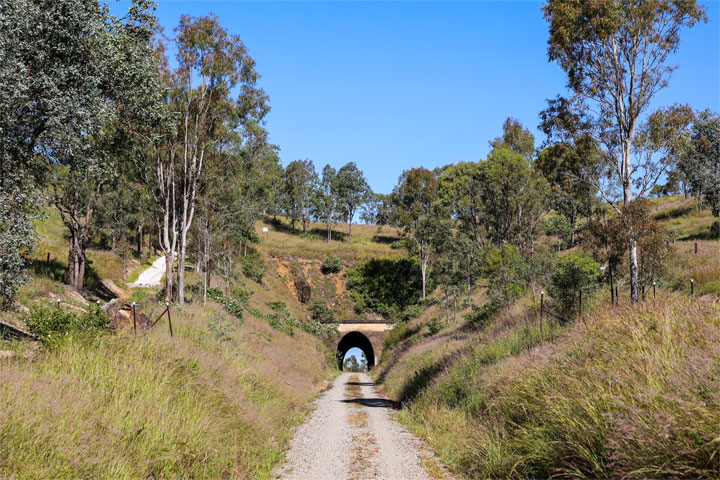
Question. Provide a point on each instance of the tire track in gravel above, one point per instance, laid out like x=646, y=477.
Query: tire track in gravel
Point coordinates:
x=351, y=435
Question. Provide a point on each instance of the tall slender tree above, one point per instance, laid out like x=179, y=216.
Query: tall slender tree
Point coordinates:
x=615, y=55
x=351, y=193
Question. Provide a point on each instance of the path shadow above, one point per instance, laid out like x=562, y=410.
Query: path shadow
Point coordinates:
x=373, y=402
x=362, y=384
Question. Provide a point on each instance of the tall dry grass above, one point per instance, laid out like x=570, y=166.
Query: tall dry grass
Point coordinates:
x=637, y=394
x=217, y=401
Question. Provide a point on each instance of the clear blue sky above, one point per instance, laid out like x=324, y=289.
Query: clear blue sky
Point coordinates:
x=395, y=85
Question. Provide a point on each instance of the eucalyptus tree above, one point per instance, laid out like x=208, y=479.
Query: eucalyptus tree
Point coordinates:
x=70, y=81
x=324, y=205
x=701, y=160
x=211, y=63
x=299, y=180
x=351, y=193
x=615, y=54
x=416, y=213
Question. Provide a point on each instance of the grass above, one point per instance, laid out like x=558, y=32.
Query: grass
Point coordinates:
x=369, y=241
x=204, y=404
x=633, y=395
x=216, y=401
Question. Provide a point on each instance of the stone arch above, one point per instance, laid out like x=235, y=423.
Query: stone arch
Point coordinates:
x=358, y=340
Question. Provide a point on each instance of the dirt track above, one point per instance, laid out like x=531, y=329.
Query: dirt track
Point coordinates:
x=351, y=435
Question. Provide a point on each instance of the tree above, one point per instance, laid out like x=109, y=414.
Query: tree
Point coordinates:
x=71, y=80
x=211, y=64
x=416, y=212
x=324, y=208
x=299, y=181
x=700, y=162
x=351, y=192
x=513, y=197
x=615, y=56
x=570, y=161
x=517, y=138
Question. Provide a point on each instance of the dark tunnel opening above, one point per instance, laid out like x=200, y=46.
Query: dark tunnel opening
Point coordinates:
x=355, y=340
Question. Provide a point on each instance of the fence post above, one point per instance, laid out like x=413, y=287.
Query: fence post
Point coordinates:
x=134, y=320
x=692, y=287
x=58, y=303
x=617, y=295
x=695, y=248
x=579, y=300
x=48, y=257
x=542, y=307
x=169, y=321
x=653, y=290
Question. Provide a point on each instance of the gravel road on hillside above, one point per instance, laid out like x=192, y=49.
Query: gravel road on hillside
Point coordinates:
x=351, y=435
x=153, y=275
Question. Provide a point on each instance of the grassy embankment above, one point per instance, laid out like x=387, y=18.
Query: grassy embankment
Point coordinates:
x=216, y=401
x=626, y=392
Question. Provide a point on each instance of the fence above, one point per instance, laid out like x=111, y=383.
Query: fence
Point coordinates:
x=150, y=326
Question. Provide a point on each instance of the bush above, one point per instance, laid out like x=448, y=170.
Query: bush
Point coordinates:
x=435, y=325
x=572, y=272
x=560, y=227
x=411, y=311
x=480, y=315
x=715, y=230
x=331, y=264
x=506, y=271
x=51, y=322
x=253, y=266
x=386, y=287
x=400, y=332
x=321, y=313
x=281, y=319
x=234, y=306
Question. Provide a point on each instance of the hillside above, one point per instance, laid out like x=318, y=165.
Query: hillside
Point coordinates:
x=216, y=400
x=622, y=392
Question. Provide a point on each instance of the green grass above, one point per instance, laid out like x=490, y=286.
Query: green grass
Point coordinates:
x=633, y=395
x=207, y=403
x=369, y=241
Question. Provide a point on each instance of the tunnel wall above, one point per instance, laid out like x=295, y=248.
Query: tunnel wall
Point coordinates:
x=375, y=333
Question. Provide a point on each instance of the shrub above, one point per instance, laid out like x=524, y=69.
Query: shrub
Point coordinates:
x=480, y=315
x=411, y=311
x=435, y=325
x=321, y=313
x=51, y=322
x=400, y=332
x=506, y=270
x=715, y=230
x=233, y=306
x=386, y=287
x=331, y=264
x=253, y=266
x=575, y=271
x=280, y=318
x=560, y=227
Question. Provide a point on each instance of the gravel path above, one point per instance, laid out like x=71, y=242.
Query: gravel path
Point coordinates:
x=351, y=435
x=153, y=275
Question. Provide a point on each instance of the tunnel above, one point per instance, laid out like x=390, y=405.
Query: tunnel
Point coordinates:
x=357, y=340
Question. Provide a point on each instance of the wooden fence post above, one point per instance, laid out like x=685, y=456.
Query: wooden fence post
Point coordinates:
x=695, y=248
x=692, y=287
x=134, y=320
x=169, y=321
x=542, y=307
x=579, y=300
x=653, y=290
